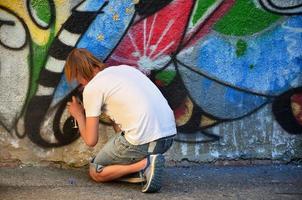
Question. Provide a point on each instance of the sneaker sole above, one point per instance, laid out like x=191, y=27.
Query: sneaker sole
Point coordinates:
x=155, y=183
x=131, y=180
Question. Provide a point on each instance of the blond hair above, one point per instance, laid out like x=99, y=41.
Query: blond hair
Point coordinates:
x=81, y=62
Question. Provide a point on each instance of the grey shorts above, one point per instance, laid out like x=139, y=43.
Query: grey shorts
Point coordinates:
x=119, y=151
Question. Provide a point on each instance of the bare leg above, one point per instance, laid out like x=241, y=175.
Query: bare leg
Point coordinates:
x=113, y=172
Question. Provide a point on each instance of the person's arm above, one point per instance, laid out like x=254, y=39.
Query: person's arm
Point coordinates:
x=88, y=126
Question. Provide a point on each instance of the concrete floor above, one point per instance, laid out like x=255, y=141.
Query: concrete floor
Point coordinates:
x=195, y=182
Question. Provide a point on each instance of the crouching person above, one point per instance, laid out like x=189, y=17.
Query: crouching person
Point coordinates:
x=141, y=116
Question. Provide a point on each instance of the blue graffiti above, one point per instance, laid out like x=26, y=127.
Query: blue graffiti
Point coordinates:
x=237, y=85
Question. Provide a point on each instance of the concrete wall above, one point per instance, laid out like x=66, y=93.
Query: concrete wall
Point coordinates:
x=230, y=69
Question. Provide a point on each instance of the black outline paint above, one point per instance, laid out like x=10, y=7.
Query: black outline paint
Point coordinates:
x=29, y=41
x=12, y=23
x=261, y=2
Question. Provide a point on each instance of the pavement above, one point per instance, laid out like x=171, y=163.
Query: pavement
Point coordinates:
x=190, y=182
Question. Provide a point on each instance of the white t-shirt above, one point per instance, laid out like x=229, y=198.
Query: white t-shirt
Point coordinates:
x=130, y=99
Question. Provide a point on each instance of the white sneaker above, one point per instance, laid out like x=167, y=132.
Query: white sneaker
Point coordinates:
x=153, y=173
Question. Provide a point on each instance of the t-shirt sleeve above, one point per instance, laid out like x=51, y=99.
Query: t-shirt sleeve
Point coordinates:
x=93, y=101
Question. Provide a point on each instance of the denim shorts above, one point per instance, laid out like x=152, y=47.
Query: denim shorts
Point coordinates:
x=119, y=151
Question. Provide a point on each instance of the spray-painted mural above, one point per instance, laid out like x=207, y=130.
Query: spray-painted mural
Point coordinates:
x=216, y=61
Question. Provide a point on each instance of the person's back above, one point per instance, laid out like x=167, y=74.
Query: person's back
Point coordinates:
x=129, y=98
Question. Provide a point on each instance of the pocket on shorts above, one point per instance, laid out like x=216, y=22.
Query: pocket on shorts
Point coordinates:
x=130, y=151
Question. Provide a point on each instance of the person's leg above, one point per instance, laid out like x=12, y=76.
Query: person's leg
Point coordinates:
x=113, y=172
x=112, y=162
x=117, y=159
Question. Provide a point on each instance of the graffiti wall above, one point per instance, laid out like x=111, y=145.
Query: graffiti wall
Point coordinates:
x=230, y=70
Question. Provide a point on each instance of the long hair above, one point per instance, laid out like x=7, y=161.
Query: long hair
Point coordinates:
x=80, y=62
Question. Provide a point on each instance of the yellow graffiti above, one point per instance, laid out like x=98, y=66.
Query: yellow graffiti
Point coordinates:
x=116, y=17
x=130, y=10
x=135, y=1
x=38, y=35
x=206, y=121
x=101, y=37
x=185, y=117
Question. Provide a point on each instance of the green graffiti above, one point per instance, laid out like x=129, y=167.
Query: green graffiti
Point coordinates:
x=166, y=77
x=241, y=47
x=245, y=19
x=42, y=10
x=39, y=58
x=252, y=66
x=201, y=8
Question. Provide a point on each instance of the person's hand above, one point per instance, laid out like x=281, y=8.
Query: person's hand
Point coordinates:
x=75, y=108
